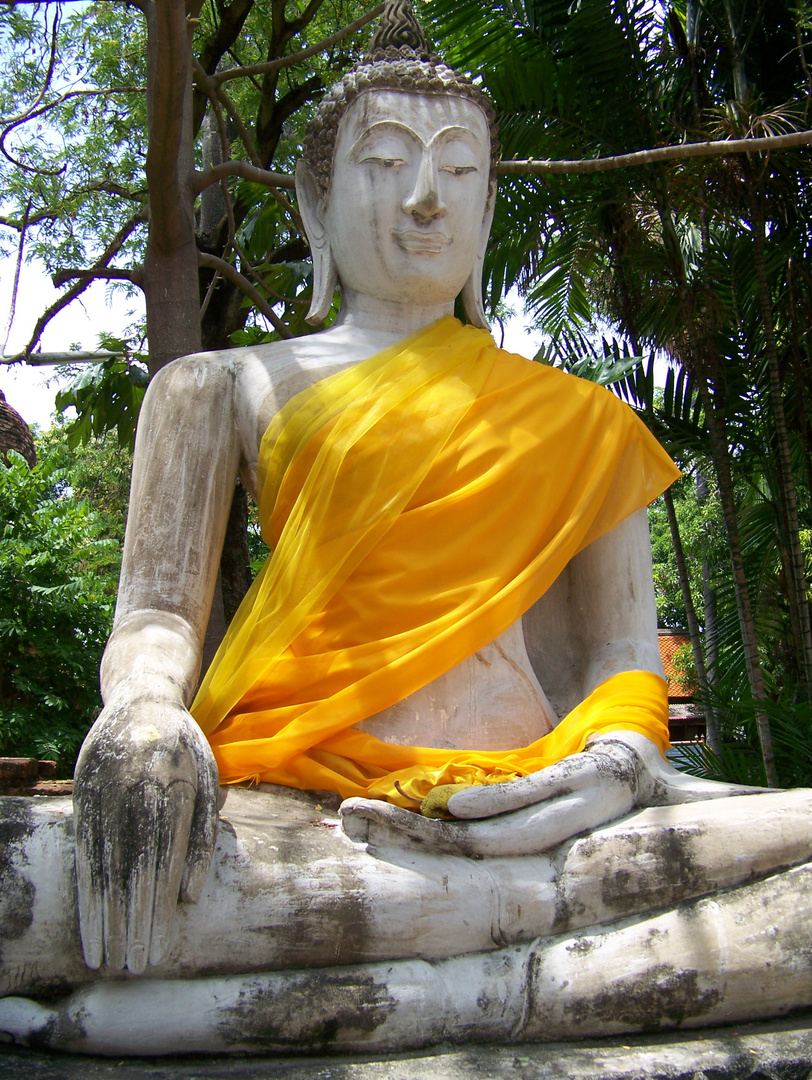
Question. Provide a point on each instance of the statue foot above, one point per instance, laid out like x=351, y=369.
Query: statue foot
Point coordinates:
x=24, y=1022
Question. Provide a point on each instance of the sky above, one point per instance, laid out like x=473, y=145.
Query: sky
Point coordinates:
x=100, y=309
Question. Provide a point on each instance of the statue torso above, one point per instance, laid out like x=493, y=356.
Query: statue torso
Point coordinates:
x=492, y=700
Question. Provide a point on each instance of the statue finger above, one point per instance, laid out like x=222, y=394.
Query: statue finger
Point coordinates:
x=144, y=829
x=383, y=825
x=89, y=861
x=542, y=828
x=173, y=820
x=203, y=832
x=575, y=773
x=528, y=831
x=114, y=882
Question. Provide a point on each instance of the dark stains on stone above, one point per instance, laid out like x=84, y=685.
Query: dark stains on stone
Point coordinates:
x=582, y=946
x=330, y=915
x=664, y=996
x=318, y=1012
x=667, y=875
x=617, y=761
x=62, y=1029
x=566, y=912
x=17, y=892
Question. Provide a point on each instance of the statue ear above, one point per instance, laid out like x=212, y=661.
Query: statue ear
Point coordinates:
x=311, y=207
x=472, y=289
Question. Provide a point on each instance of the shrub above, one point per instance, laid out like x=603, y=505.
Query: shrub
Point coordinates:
x=58, y=579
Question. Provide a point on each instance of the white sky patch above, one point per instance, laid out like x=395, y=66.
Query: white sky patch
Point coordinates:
x=98, y=310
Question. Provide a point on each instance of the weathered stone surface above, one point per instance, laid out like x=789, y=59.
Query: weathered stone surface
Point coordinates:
x=781, y=1050
x=293, y=890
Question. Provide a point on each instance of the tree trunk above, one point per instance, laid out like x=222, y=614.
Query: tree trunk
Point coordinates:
x=170, y=273
x=716, y=425
x=708, y=598
x=715, y=418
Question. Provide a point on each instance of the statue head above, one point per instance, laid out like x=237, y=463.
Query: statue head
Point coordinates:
x=397, y=181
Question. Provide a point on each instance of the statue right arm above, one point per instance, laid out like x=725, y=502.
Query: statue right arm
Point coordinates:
x=146, y=786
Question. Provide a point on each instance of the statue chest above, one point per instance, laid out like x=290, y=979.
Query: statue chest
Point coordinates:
x=492, y=700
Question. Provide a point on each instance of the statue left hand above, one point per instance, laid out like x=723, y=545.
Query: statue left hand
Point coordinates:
x=615, y=774
x=146, y=801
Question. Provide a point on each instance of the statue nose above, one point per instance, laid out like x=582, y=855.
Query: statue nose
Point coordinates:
x=424, y=202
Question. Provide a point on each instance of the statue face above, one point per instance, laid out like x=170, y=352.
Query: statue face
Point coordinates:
x=406, y=210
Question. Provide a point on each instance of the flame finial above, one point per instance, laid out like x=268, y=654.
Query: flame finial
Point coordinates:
x=399, y=28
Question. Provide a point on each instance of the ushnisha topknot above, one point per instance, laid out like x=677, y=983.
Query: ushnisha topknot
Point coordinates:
x=399, y=58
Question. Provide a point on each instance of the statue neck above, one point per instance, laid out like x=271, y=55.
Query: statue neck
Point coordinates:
x=366, y=312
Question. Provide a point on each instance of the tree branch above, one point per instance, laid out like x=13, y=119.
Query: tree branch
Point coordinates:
x=232, y=19
x=50, y=359
x=215, y=93
x=295, y=58
x=225, y=152
x=109, y=187
x=111, y=273
x=242, y=283
x=109, y=252
x=269, y=128
x=661, y=153
x=544, y=167
x=15, y=287
x=243, y=169
x=33, y=113
x=306, y=16
x=48, y=75
x=33, y=219
x=219, y=45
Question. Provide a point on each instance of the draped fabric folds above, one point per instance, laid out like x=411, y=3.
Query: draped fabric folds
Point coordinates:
x=416, y=505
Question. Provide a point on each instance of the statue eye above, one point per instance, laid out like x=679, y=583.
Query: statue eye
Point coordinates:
x=459, y=170
x=384, y=162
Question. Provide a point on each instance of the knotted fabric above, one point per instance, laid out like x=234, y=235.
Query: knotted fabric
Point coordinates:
x=417, y=504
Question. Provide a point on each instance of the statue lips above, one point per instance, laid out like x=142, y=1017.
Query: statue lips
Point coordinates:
x=421, y=243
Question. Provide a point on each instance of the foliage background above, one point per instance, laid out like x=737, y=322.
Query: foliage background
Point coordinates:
x=61, y=525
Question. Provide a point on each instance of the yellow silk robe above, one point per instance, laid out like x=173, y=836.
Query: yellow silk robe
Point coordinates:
x=416, y=505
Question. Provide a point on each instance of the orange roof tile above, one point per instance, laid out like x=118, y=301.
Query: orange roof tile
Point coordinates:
x=670, y=642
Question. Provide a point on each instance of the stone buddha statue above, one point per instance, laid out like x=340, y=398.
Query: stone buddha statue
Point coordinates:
x=458, y=616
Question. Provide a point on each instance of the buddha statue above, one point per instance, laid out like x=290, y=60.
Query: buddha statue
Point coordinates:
x=457, y=617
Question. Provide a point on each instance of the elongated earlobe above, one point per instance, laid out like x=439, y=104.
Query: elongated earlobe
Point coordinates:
x=324, y=267
x=472, y=300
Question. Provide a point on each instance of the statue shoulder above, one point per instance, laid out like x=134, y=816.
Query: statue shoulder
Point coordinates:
x=268, y=376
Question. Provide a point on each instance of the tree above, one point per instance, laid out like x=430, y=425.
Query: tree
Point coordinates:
x=129, y=176
x=155, y=170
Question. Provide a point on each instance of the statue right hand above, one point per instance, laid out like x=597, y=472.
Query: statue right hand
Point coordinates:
x=145, y=803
